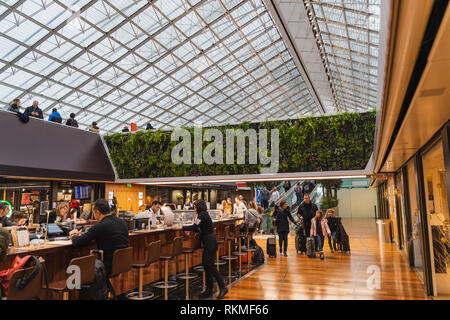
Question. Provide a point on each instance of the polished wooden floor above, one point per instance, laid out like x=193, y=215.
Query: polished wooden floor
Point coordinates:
x=339, y=276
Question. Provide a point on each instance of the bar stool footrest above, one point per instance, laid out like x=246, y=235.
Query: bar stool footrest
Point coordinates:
x=162, y=285
x=220, y=263
x=146, y=295
x=190, y=276
x=228, y=257
x=236, y=253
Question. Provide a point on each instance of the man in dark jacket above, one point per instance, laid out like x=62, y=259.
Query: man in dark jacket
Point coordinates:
x=4, y=243
x=71, y=122
x=34, y=111
x=265, y=197
x=110, y=233
x=307, y=211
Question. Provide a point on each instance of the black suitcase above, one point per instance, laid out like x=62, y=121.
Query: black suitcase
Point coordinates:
x=300, y=239
x=310, y=247
x=272, y=247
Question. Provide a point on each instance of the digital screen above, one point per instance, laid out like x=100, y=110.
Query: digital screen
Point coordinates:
x=53, y=228
x=82, y=192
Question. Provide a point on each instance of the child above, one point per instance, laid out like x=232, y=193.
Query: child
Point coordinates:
x=319, y=229
x=332, y=224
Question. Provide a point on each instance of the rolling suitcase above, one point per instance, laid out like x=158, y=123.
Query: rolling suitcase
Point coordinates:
x=300, y=240
x=272, y=247
x=310, y=247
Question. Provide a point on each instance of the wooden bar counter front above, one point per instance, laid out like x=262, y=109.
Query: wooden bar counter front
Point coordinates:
x=57, y=256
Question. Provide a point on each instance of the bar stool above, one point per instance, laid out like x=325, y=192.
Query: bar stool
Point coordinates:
x=187, y=251
x=152, y=254
x=239, y=253
x=32, y=290
x=197, y=245
x=122, y=262
x=177, y=249
x=220, y=241
x=229, y=239
x=249, y=232
x=87, y=274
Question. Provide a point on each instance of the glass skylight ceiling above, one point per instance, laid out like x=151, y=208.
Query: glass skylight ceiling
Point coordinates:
x=347, y=34
x=167, y=62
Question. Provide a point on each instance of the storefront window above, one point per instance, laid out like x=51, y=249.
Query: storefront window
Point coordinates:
x=438, y=216
x=416, y=247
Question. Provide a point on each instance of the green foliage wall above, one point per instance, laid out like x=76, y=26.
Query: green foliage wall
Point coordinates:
x=327, y=143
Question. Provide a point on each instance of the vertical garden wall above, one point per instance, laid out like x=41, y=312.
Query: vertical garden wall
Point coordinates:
x=327, y=143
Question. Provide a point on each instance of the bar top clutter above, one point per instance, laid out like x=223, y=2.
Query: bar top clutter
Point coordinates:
x=52, y=245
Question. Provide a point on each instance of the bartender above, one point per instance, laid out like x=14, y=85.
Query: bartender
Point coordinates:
x=203, y=223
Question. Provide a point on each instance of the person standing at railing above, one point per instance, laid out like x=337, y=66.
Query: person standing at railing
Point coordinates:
x=275, y=195
x=265, y=197
x=307, y=211
x=15, y=106
x=34, y=111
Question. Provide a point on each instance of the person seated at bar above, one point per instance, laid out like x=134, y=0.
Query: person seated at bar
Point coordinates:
x=19, y=218
x=62, y=211
x=251, y=217
x=4, y=220
x=34, y=111
x=55, y=116
x=155, y=210
x=110, y=233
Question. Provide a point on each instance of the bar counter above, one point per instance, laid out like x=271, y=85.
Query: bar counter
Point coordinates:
x=58, y=254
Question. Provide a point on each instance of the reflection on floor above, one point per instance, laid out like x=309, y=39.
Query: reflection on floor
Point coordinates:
x=339, y=276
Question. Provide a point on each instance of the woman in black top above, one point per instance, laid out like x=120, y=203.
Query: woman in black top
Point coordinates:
x=203, y=223
x=282, y=214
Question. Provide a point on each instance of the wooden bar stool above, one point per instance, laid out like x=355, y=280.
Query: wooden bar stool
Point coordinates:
x=177, y=249
x=32, y=290
x=249, y=233
x=87, y=274
x=188, y=251
x=220, y=241
x=152, y=254
x=229, y=239
x=239, y=253
x=122, y=262
x=197, y=244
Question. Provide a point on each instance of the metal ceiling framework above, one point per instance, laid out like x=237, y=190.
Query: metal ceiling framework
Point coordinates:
x=178, y=62
x=347, y=35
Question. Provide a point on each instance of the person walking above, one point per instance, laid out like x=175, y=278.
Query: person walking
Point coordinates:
x=319, y=229
x=71, y=122
x=275, y=195
x=265, y=197
x=298, y=193
x=306, y=211
x=332, y=222
x=281, y=215
x=204, y=225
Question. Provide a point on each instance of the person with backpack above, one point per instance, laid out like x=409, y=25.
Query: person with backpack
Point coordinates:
x=55, y=116
x=281, y=216
x=204, y=225
x=71, y=122
x=319, y=229
x=110, y=233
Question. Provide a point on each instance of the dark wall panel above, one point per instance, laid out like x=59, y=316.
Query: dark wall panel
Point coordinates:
x=41, y=149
